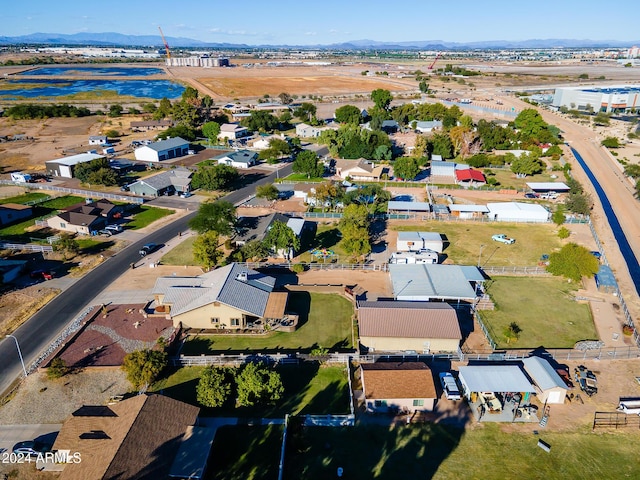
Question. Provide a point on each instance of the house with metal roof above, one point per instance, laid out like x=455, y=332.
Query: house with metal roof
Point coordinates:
x=397, y=326
x=425, y=282
x=174, y=180
x=232, y=297
x=238, y=159
x=443, y=169
x=428, y=127
x=406, y=387
x=162, y=150
x=139, y=437
x=494, y=378
x=550, y=388
x=539, y=187
x=64, y=167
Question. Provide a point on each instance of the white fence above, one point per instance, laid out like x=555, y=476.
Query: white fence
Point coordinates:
x=26, y=246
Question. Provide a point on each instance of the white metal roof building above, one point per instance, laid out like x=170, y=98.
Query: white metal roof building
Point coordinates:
x=610, y=98
x=494, y=378
x=162, y=150
x=549, y=386
x=548, y=186
x=518, y=212
x=425, y=282
x=63, y=167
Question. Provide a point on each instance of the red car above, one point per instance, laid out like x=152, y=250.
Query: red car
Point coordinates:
x=44, y=274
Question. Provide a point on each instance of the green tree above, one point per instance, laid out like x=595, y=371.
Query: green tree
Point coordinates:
x=632, y=170
x=214, y=387
x=218, y=177
x=526, y=164
x=281, y=237
x=306, y=162
x=57, y=369
x=115, y=110
x=206, y=249
x=326, y=192
x=185, y=113
x=142, y=367
x=579, y=203
x=602, y=119
x=558, y=216
x=611, y=142
x=84, y=171
x=348, y=114
x=406, y=168
x=258, y=384
x=66, y=244
x=112, y=133
x=354, y=226
x=268, y=191
x=382, y=98
x=277, y=149
x=573, y=261
x=305, y=112
x=285, y=98
x=440, y=144
x=254, y=250
x=512, y=332
x=218, y=216
x=182, y=131
x=163, y=110
x=211, y=130
x=532, y=127
x=564, y=233
x=262, y=121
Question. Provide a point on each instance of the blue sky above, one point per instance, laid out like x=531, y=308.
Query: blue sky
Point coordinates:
x=329, y=21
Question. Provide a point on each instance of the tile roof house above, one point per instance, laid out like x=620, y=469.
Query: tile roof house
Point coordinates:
x=230, y=297
x=84, y=218
x=400, y=326
x=134, y=439
x=406, y=386
x=359, y=169
x=177, y=179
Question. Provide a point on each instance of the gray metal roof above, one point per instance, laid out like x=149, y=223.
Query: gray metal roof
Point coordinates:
x=428, y=236
x=543, y=374
x=409, y=206
x=250, y=295
x=495, y=378
x=425, y=282
x=179, y=177
x=76, y=159
x=556, y=186
x=168, y=144
x=241, y=156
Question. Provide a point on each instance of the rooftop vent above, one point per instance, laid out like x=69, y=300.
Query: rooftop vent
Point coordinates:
x=242, y=276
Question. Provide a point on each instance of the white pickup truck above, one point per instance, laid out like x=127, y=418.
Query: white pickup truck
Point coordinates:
x=502, y=238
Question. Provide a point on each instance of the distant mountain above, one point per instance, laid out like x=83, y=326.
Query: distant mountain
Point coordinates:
x=112, y=39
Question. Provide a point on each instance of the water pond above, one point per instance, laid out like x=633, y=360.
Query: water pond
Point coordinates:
x=95, y=71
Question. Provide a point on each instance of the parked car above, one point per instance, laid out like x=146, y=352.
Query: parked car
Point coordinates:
x=502, y=238
x=41, y=274
x=105, y=232
x=586, y=379
x=449, y=386
x=147, y=249
x=30, y=448
x=530, y=195
x=114, y=228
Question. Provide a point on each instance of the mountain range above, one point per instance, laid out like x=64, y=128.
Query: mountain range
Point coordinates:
x=112, y=39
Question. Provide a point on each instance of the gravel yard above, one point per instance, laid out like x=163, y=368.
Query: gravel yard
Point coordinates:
x=40, y=400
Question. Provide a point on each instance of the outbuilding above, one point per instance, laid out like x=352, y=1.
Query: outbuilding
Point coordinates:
x=405, y=206
x=495, y=379
x=606, y=280
x=424, y=256
x=64, y=167
x=416, y=241
x=97, y=139
x=549, y=386
x=465, y=211
x=162, y=150
x=434, y=282
x=518, y=212
x=541, y=187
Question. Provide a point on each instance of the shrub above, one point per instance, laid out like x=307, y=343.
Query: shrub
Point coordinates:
x=57, y=369
x=298, y=268
x=564, y=233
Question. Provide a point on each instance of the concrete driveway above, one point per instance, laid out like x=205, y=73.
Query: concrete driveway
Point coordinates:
x=12, y=434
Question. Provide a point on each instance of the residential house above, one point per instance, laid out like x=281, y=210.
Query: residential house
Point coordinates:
x=470, y=177
x=98, y=139
x=232, y=131
x=135, y=438
x=84, y=218
x=428, y=127
x=406, y=387
x=304, y=130
x=404, y=326
x=257, y=228
x=389, y=126
x=174, y=180
x=64, y=167
x=305, y=191
x=239, y=159
x=264, y=142
x=360, y=169
x=162, y=150
x=231, y=297
x=13, y=212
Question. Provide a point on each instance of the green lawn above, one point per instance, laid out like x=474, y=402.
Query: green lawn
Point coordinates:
x=327, y=237
x=543, y=308
x=508, y=180
x=309, y=388
x=182, y=254
x=145, y=215
x=24, y=198
x=302, y=177
x=245, y=453
x=325, y=321
x=448, y=453
x=466, y=239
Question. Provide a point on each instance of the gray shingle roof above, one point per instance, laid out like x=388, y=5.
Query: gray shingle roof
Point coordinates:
x=179, y=177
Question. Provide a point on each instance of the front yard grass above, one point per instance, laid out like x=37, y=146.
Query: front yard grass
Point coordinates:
x=327, y=237
x=309, y=389
x=24, y=198
x=467, y=239
x=325, y=321
x=182, y=254
x=145, y=215
x=543, y=308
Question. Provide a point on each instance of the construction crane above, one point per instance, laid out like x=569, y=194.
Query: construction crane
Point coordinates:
x=430, y=66
x=166, y=45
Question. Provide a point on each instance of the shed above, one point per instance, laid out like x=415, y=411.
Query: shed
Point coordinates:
x=402, y=206
x=392, y=326
x=494, y=378
x=550, y=388
x=97, y=139
x=468, y=211
x=432, y=282
x=606, y=280
x=406, y=386
x=548, y=186
x=416, y=241
x=64, y=167
x=443, y=169
x=518, y=212
x=13, y=212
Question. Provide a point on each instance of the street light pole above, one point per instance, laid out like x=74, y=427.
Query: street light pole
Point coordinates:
x=480, y=254
x=19, y=354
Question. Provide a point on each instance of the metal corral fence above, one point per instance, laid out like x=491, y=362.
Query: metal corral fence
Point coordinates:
x=320, y=266
x=26, y=246
x=559, y=355
x=615, y=419
x=77, y=191
x=485, y=329
x=526, y=271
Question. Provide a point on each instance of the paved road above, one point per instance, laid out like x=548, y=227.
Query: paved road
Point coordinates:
x=12, y=434
x=35, y=335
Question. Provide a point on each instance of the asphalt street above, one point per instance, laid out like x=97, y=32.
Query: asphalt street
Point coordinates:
x=37, y=333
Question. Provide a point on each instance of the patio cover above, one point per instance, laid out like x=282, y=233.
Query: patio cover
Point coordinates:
x=495, y=378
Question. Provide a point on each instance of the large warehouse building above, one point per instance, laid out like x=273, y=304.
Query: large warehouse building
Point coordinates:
x=613, y=98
